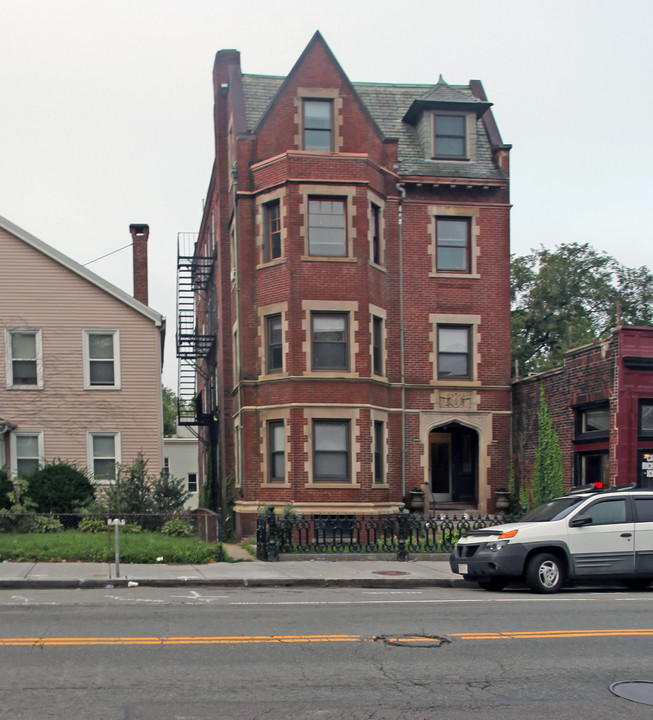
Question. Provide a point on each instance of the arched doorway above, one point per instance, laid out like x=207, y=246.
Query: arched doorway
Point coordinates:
x=454, y=464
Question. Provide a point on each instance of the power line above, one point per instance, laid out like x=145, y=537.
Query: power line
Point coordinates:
x=113, y=252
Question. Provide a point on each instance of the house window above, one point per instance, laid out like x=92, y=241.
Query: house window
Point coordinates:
x=375, y=234
x=104, y=453
x=102, y=359
x=593, y=422
x=24, y=361
x=452, y=241
x=318, y=128
x=378, y=451
x=453, y=351
x=276, y=449
x=329, y=333
x=326, y=227
x=192, y=482
x=27, y=453
x=593, y=467
x=377, y=345
x=273, y=334
x=331, y=449
x=450, y=136
x=272, y=231
x=646, y=418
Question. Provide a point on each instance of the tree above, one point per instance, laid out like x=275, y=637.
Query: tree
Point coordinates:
x=548, y=472
x=169, y=401
x=571, y=296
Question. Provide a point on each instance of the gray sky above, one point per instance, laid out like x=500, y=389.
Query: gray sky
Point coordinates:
x=106, y=111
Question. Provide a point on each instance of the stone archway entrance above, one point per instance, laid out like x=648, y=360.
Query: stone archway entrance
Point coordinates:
x=453, y=467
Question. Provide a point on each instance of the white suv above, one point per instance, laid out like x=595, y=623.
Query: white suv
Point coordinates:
x=588, y=534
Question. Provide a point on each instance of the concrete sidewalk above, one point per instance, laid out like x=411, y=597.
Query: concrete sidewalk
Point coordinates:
x=306, y=573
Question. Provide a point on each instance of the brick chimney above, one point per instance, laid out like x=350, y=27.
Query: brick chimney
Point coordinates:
x=140, y=234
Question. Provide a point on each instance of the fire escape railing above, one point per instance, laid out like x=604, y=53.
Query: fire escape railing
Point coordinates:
x=196, y=329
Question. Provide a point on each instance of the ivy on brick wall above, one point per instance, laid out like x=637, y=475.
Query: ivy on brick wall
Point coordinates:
x=548, y=474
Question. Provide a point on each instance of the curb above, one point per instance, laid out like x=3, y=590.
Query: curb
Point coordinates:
x=235, y=582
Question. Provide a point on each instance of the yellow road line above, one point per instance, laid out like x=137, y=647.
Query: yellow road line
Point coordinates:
x=253, y=639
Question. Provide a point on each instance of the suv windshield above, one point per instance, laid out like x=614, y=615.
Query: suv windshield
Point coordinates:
x=552, y=510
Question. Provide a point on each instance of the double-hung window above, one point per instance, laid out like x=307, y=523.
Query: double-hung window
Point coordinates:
x=450, y=136
x=272, y=231
x=377, y=345
x=276, y=451
x=103, y=454
x=274, y=343
x=331, y=450
x=452, y=243
x=329, y=341
x=27, y=452
x=454, y=352
x=24, y=358
x=318, y=125
x=379, y=444
x=646, y=418
x=375, y=235
x=327, y=236
x=101, y=359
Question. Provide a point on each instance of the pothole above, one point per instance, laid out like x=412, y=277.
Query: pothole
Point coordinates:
x=639, y=691
x=416, y=640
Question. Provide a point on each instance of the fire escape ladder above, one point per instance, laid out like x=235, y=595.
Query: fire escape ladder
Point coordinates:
x=196, y=330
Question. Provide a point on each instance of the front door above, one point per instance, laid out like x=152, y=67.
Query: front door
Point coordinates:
x=454, y=459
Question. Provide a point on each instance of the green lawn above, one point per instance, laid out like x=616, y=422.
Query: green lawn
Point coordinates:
x=72, y=545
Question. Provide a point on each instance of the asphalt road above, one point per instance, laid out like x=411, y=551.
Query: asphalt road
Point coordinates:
x=149, y=653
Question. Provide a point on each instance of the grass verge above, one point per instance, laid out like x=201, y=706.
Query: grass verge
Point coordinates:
x=72, y=545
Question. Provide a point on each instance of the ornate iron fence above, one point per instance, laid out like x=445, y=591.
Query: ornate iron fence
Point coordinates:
x=400, y=533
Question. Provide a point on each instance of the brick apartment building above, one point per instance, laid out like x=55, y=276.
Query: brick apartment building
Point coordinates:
x=601, y=403
x=351, y=325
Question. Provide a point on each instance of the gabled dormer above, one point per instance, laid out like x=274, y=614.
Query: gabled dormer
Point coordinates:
x=445, y=121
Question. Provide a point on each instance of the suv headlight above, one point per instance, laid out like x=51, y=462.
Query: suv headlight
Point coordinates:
x=496, y=545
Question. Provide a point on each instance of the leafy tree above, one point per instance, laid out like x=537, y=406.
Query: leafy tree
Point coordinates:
x=548, y=472
x=130, y=491
x=569, y=296
x=135, y=491
x=169, y=400
x=169, y=493
x=60, y=487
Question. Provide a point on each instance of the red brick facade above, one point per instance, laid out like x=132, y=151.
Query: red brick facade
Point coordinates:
x=595, y=402
x=349, y=366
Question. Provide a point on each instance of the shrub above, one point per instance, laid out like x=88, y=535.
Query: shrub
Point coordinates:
x=177, y=528
x=130, y=492
x=59, y=487
x=92, y=525
x=38, y=524
x=6, y=486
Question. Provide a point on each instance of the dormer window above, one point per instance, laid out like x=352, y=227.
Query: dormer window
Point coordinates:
x=318, y=125
x=450, y=134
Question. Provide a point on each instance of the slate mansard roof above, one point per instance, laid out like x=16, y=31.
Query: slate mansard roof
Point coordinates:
x=388, y=105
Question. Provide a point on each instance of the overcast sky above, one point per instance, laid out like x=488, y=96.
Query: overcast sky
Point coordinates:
x=106, y=111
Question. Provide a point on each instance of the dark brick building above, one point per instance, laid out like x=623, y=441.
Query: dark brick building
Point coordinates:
x=351, y=279
x=601, y=402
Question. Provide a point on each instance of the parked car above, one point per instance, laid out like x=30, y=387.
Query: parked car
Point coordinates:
x=589, y=534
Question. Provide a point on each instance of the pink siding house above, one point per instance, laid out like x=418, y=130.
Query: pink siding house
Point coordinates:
x=80, y=361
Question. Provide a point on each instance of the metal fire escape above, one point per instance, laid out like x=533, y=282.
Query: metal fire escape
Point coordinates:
x=196, y=330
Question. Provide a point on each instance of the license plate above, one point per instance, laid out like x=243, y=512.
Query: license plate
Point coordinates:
x=462, y=568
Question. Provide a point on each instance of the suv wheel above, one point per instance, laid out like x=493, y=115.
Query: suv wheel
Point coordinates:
x=545, y=573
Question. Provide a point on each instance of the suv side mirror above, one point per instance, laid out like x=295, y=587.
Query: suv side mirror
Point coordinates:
x=580, y=521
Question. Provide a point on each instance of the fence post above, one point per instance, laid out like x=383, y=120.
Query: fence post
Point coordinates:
x=401, y=535
x=272, y=534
